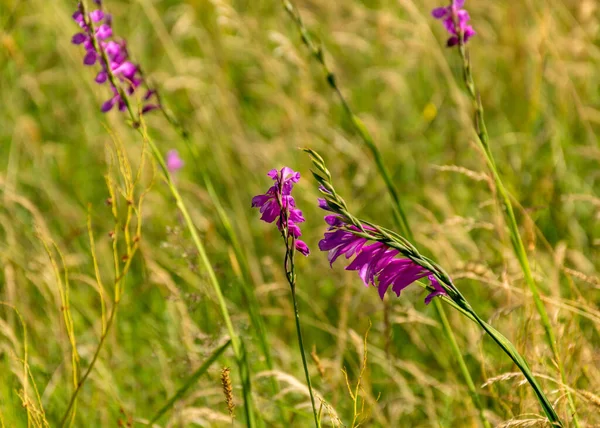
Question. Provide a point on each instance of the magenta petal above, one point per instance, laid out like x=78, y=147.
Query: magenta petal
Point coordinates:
x=382, y=289
x=97, y=15
x=90, y=58
x=323, y=204
x=103, y=32
x=149, y=94
x=469, y=32
x=127, y=69
x=438, y=289
x=452, y=41
x=439, y=12
x=101, y=77
x=259, y=200
x=174, y=162
x=149, y=107
x=302, y=248
x=108, y=105
x=78, y=38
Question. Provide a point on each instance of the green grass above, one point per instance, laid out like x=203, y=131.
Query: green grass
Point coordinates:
x=245, y=87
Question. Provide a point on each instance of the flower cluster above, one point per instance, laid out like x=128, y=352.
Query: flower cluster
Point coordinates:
x=450, y=15
x=376, y=263
x=279, y=204
x=96, y=37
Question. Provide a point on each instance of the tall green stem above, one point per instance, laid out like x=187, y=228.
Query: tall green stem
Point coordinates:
x=290, y=274
x=236, y=343
x=453, y=296
x=400, y=218
x=509, y=215
x=461, y=362
x=303, y=353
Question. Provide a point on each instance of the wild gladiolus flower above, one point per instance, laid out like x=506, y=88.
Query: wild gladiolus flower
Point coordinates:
x=450, y=15
x=278, y=204
x=376, y=263
x=111, y=55
x=174, y=162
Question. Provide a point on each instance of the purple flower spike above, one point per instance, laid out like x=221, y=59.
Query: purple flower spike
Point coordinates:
x=174, y=162
x=375, y=263
x=279, y=205
x=112, y=57
x=449, y=15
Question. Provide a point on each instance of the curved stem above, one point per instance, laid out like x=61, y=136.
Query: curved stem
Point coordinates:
x=236, y=343
x=400, y=218
x=461, y=362
x=301, y=344
x=511, y=222
x=290, y=273
x=511, y=351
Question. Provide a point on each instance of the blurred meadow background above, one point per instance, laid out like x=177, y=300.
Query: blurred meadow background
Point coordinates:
x=237, y=77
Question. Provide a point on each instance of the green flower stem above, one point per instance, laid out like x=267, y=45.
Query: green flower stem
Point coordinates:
x=290, y=274
x=317, y=52
x=509, y=215
x=248, y=290
x=304, y=364
x=461, y=362
x=398, y=213
x=236, y=343
x=454, y=297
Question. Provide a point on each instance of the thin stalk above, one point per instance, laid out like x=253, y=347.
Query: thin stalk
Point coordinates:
x=372, y=232
x=247, y=281
x=400, y=218
x=290, y=273
x=509, y=216
x=247, y=289
x=236, y=343
x=461, y=362
x=317, y=52
x=99, y=347
x=511, y=351
x=304, y=364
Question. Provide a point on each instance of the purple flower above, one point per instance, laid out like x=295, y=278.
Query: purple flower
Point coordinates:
x=97, y=15
x=448, y=15
x=110, y=55
x=174, y=162
x=376, y=263
x=279, y=205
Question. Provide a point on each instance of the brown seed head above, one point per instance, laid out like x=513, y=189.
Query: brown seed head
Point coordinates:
x=227, y=389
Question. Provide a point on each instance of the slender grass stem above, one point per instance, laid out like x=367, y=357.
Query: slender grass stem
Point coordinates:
x=100, y=345
x=398, y=213
x=247, y=289
x=304, y=364
x=454, y=297
x=290, y=274
x=509, y=216
x=461, y=362
x=236, y=343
